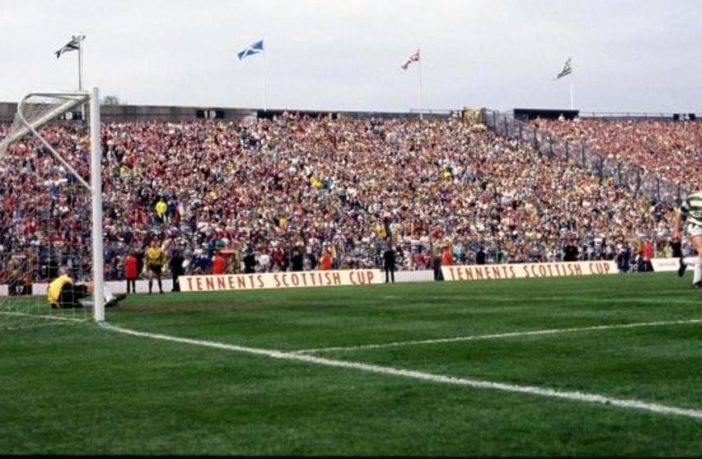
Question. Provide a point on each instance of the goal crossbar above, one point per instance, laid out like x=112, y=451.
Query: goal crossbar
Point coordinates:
x=72, y=100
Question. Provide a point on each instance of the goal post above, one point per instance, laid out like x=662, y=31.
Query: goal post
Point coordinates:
x=96, y=198
x=30, y=117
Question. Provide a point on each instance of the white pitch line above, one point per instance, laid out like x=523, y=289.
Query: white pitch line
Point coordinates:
x=552, y=331
x=430, y=377
x=24, y=314
x=32, y=326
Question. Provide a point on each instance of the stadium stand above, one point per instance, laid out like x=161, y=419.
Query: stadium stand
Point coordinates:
x=273, y=186
x=667, y=149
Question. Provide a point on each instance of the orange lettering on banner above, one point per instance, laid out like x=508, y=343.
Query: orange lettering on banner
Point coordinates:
x=450, y=270
x=486, y=272
x=496, y=274
x=469, y=274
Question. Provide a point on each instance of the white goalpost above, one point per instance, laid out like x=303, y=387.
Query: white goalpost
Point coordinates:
x=30, y=118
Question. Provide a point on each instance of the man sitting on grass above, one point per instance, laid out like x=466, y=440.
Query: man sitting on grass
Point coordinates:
x=64, y=293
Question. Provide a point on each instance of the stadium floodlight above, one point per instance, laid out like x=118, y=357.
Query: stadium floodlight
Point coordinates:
x=34, y=111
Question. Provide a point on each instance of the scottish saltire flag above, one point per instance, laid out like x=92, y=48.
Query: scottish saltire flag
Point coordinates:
x=413, y=58
x=567, y=70
x=73, y=45
x=252, y=49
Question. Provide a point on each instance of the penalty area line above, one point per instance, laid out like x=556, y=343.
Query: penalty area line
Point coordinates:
x=456, y=339
x=577, y=396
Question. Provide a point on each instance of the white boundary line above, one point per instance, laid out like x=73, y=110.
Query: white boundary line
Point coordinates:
x=434, y=378
x=552, y=331
x=24, y=314
x=34, y=325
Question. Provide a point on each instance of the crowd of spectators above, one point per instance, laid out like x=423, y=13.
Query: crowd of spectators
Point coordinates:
x=297, y=192
x=666, y=149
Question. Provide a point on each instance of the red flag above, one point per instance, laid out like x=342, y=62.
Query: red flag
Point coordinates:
x=413, y=58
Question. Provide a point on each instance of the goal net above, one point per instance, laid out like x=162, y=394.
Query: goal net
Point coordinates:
x=46, y=204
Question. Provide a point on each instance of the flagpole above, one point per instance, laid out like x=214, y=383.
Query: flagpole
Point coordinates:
x=571, y=92
x=420, y=83
x=80, y=67
x=265, y=74
x=80, y=75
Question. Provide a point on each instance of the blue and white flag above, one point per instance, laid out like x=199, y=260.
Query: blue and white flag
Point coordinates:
x=252, y=49
x=73, y=45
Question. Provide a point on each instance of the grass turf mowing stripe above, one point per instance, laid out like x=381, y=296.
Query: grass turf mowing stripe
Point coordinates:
x=430, y=377
x=552, y=331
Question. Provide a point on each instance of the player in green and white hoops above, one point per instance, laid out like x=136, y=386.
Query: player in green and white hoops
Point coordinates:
x=691, y=212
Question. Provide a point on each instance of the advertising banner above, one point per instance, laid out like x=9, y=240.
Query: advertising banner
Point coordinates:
x=258, y=281
x=528, y=270
x=665, y=264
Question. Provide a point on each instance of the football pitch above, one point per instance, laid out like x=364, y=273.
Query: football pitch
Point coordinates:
x=568, y=366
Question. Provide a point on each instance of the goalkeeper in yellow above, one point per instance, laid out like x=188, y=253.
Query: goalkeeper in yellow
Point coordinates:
x=64, y=293
x=154, y=261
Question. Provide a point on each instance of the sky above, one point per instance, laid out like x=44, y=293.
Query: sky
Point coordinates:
x=627, y=56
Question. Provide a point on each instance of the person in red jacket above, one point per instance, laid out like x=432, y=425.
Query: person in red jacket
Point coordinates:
x=326, y=262
x=447, y=257
x=131, y=272
x=219, y=264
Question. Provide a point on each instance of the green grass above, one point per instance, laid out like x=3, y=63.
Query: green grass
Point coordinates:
x=78, y=389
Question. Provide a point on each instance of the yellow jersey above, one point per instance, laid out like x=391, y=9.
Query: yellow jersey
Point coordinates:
x=155, y=256
x=54, y=290
x=161, y=208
